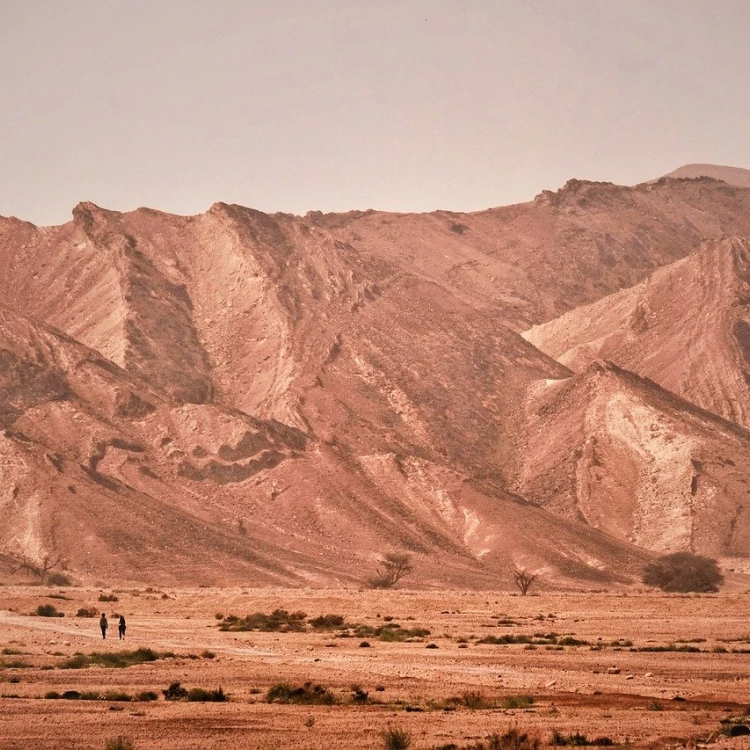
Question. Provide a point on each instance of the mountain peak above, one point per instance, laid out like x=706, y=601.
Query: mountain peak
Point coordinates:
x=736, y=176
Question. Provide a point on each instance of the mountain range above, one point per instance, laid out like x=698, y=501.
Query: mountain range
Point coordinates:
x=239, y=397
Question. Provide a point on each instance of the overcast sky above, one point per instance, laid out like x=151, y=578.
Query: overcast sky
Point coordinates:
x=408, y=105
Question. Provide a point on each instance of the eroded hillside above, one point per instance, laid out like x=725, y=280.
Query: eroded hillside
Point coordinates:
x=240, y=396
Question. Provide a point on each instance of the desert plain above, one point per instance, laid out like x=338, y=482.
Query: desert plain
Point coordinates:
x=635, y=667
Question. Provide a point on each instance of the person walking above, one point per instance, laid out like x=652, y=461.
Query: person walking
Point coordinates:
x=103, y=624
x=121, y=627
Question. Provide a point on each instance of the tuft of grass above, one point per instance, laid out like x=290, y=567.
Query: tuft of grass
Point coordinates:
x=577, y=739
x=14, y=664
x=513, y=739
x=517, y=701
x=396, y=739
x=113, y=659
x=474, y=700
x=307, y=694
x=120, y=742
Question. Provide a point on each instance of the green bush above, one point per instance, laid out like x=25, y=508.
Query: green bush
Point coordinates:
x=684, y=572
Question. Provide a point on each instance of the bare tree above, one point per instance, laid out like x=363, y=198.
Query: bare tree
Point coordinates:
x=40, y=569
x=393, y=567
x=523, y=580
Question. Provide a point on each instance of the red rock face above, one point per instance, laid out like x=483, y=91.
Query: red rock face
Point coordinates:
x=261, y=398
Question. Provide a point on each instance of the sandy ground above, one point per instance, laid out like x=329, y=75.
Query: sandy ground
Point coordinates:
x=654, y=699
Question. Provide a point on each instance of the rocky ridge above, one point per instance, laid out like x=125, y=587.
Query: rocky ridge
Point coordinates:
x=237, y=396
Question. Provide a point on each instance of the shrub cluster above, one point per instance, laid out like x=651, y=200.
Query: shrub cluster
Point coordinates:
x=279, y=620
x=308, y=694
x=114, y=659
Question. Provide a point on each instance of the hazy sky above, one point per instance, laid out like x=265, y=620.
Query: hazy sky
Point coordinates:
x=411, y=105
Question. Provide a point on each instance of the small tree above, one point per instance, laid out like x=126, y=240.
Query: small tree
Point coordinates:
x=683, y=572
x=43, y=568
x=393, y=567
x=523, y=580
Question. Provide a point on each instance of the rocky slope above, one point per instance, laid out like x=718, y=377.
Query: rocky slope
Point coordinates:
x=237, y=396
x=623, y=455
x=687, y=327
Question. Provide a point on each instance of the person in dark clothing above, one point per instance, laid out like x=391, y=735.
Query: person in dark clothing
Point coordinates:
x=121, y=626
x=103, y=624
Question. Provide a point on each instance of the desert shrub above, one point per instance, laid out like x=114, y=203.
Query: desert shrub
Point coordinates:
x=117, y=695
x=396, y=739
x=11, y=652
x=577, y=739
x=308, y=694
x=327, y=622
x=52, y=695
x=278, y=621
x=147, y=696
x=59, y=579
x=570, y=641
x=208, y=654
x=48, y=610
x=517, y=701
x=14, y=664
x=474, y=700
x=390, y=632
x=513, y=739
x=683, y=572
x=207, y=696
x=683, y=648
x=175, y=692
x=87, y=612
x=108, y=598
x=358, y=694
x=113, y=659
x=119, y=743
